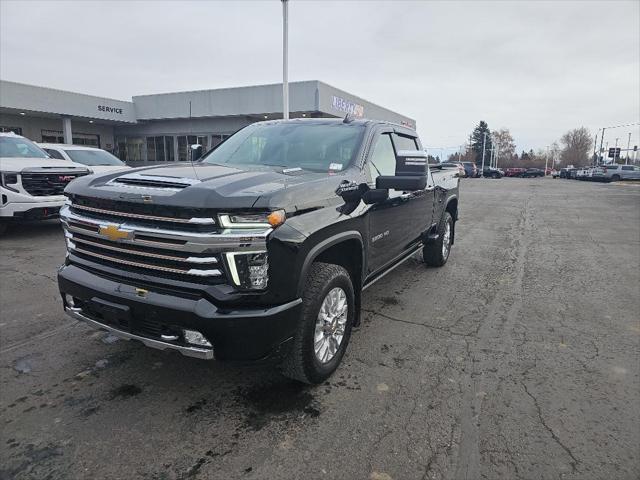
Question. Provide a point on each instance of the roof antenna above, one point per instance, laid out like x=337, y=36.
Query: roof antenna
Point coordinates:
x=190, y=148
x=348, y=118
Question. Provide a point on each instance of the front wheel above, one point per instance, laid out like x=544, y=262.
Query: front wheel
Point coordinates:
x=436, y=254
x=328, y=312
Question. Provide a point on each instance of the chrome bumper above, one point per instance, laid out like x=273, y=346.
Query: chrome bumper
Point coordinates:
x=202, y=353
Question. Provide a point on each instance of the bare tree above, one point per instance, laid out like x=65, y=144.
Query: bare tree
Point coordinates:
x=505, y=145
x=576, y=144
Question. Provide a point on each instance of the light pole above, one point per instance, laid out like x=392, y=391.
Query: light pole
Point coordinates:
x=285, y=59
x=484, y=142
x=626, y=157
x=595, y=145
x=546, y=161
x=602, y=140
x=615, y=151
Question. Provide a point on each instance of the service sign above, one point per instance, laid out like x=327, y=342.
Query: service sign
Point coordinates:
x=347, y=106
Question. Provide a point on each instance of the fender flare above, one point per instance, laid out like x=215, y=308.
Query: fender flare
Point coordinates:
x=324, y=245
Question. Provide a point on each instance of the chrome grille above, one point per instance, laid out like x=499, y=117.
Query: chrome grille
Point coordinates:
x=153, y=246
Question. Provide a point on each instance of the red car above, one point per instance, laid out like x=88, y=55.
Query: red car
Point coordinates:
x=514, y=172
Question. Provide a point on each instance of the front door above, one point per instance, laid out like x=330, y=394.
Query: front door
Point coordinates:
x=396, y=224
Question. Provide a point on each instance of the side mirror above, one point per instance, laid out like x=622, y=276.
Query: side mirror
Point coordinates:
x=196, y=152
x=411, y=162
x=401, y=182
x=377, y=195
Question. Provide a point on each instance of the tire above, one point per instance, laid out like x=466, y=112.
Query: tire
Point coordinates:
x=615, y=178
x=302, y=362
x=434, y=253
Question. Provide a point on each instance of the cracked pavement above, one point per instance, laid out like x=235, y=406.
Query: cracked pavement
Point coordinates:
x=519, y=359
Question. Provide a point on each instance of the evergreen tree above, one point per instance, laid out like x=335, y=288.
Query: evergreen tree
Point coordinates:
x=478, y=139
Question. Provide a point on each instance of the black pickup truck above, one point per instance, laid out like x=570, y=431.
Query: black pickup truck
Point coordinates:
x=259, y=250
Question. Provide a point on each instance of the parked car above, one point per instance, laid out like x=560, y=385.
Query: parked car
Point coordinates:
x=31, y=181
x=571, y=173
x=458, y=166
x=555, y=173
x=532, y=172
x=471, y=169
x=514, y=172
x=98, y=160
x=491, y=172
x=616, y=173
x=598, y=174
x=254, y=254
x=582, y=173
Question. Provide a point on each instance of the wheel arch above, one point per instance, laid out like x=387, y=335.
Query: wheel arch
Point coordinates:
x=345, y=249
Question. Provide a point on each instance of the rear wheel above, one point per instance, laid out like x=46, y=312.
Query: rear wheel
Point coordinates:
x=615, y=178
x=436, y=254
x=328, y=311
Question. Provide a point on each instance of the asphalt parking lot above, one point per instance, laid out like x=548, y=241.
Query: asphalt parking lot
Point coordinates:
x=518, y=359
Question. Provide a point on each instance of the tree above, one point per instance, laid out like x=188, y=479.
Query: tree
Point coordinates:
x=576, y=144
x=505, y=146
x=478, y=139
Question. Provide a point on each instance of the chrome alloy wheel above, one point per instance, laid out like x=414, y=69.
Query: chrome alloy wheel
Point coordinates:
x=330, y=325
x=446, y=240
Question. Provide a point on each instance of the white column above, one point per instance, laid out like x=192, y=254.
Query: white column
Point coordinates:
x=66, y=130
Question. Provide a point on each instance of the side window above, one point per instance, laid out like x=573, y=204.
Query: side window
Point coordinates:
x=54, y=153
x=383, y=159
x=404, y=143
x=629, y=167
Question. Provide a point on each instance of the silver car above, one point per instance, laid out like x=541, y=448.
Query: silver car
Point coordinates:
x=615, y=173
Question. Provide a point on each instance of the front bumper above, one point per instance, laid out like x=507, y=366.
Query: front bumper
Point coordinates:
x=132, y=313
x=19, y=205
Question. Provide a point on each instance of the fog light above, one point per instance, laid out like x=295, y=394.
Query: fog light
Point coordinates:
x=249, y=270
x=195, y=338
x=69, y=300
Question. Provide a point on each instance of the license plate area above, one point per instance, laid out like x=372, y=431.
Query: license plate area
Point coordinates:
x=113, y=314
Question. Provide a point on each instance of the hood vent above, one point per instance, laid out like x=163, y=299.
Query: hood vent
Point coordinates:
x=137, y=180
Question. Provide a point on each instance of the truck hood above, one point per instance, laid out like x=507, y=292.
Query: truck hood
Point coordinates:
x=13, y=164
x=214, y=186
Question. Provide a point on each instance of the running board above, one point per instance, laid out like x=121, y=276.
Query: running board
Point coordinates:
x=390, y=269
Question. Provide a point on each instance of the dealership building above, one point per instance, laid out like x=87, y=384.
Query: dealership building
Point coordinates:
x=160, y=127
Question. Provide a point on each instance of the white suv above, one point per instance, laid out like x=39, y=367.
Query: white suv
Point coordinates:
x=31, y=182
x=96, y=159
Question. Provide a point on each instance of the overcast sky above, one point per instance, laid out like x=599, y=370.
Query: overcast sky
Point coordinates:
x=538, y=68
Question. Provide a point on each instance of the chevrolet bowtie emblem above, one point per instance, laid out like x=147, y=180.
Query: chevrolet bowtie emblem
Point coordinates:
x=114, y=233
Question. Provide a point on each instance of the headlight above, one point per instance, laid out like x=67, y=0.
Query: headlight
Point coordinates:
x=249, y=270
x=9, y=178
x=253, y=220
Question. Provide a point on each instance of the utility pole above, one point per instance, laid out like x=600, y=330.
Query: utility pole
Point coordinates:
x=602, y=140
x=595, y=145
x=484, y=142
x=546, y=161
x=495, y=157
x=626, y=157
x=615, y=151
x=285, y=59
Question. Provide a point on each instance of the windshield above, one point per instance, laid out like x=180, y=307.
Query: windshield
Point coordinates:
x=315, y=147
x=18, y=147
x=93, y=157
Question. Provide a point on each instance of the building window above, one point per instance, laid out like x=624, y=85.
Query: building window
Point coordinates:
x=56, y=136
x=185, y=142
x=16, y=130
